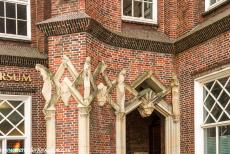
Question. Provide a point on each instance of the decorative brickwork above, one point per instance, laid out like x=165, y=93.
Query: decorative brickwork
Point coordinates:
x=81, y=22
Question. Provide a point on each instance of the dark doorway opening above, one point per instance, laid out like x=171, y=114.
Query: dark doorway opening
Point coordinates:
x=145, y=135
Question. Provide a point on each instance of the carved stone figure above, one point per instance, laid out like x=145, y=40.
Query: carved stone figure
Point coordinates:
x=102, y=94
x=147, y=106
x=47, y=85
x=86, y=78
x=121, y=89
x=175, y=98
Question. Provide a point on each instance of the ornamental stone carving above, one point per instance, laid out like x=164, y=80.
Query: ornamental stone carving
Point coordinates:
x=175, y=98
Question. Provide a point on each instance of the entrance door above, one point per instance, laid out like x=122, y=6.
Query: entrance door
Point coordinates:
x=145, y=135
x=155, y=138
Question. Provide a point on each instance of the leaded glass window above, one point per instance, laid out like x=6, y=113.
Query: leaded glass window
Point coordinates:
x=216, y=118
x=14, y=124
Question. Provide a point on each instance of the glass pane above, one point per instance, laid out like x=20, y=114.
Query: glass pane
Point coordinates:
x=210, y=120
x=216, y=111
x=148, y=10
x=15, y=146
x=14, y=103
x=21, y=9
x=216, y=90
x=209, y=102
x=5, y=108
x=21, y=127
x=10, y=10
x=2, y=9
x=11, y=26
x=15, y=132
x=22, y=28
x=2, y=25
x=209, y=85
x=21, y=109
x=224, y=98
x=137, y=9
x=210, y=140
x=228, y=87
x=15, y=118
x=5, y=127
x=1, y=118
x=224, y=139
x=224, y=117
x=127, y=7
x=212, y=2
x=223, y=81
x=228, y=109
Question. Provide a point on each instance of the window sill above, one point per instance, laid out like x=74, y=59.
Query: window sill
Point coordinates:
x=139, y=21
x=215, y=7
x=15, y=38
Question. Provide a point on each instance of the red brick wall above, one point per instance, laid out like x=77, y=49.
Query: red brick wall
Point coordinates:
x=66, y=6
x=102, y=126
x=207, y=55
x=73, y=46
x=116, y=59
x=32, y=89
x=108, y=13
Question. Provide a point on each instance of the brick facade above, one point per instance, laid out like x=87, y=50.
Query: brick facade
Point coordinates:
x=98, y=31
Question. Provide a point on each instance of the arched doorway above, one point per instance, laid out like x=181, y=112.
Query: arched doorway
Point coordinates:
x=145, y=135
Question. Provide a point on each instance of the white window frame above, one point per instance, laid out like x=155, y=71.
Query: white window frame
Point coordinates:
x=208, y=6
x=20, y=37
x=28, y=128
x=198, y=107
x=141, y=20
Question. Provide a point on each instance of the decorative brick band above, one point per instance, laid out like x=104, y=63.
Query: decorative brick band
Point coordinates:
x=59, y=26
x=17, y=89
x=21, y=61
x=203, y=34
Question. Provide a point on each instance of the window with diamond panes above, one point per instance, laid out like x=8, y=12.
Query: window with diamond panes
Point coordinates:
x=13, y=126
x=216, y=107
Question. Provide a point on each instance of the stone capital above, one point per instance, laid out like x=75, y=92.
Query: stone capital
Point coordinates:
x=50, y=113
x=84, y=110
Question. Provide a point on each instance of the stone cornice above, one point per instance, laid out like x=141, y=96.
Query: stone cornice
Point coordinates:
x=86, y=24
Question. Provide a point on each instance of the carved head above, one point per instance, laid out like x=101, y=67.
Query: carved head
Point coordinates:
x=45, y=73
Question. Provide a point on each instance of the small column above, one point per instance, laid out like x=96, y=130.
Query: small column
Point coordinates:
x=50, y=130
x=172, y=132
x=83, y=129
x=120, y=133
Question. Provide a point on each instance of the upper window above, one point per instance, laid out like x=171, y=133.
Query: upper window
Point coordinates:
x=140, y=10
x=15, y=19
x=215, y=108
x=15, y=125
x=210, y=4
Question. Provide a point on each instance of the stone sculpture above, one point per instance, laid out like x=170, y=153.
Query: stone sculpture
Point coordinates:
x=47, y=86
x=175, y=98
